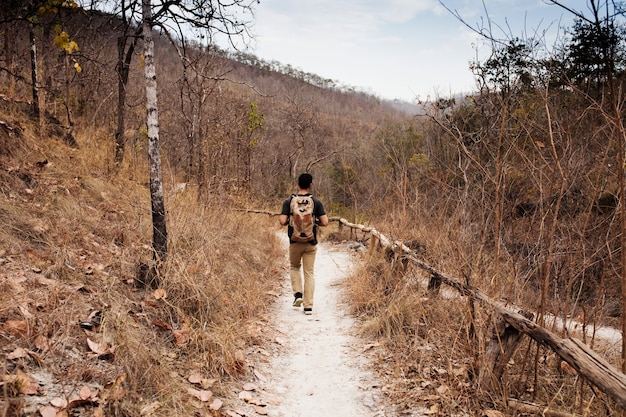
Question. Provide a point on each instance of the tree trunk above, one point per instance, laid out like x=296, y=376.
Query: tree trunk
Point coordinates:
x=34, y=74
x=122, y=74
x=159, y=230
x=124, y=58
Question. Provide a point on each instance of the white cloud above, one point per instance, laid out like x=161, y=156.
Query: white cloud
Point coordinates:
x=396, y=48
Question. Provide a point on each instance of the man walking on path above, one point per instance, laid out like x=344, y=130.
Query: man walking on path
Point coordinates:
x=303, y=221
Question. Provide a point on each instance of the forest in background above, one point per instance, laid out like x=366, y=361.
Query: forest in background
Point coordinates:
x=515, y=188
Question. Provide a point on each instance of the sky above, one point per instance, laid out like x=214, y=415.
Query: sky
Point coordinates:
x=396, y=49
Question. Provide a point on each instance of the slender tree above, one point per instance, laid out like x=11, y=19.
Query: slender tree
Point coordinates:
x=178, y=16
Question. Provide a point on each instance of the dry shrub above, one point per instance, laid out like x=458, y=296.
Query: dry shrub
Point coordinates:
x=372, y=286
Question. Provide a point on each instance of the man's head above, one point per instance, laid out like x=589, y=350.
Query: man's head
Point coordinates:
x=304, y=181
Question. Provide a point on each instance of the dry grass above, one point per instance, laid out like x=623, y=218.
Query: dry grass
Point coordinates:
x=72, y=235
x=432, y=346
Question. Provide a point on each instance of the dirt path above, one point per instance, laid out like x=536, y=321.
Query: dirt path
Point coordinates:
x=319, y=367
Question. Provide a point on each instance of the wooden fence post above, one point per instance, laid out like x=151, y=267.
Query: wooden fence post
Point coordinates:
x=375, y=243
x=434, y=284
x=504, y=341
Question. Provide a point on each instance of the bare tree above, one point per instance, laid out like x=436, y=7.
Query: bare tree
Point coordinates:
x=178, y=16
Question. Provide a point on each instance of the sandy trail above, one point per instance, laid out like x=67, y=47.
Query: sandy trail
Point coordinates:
x=320, y=368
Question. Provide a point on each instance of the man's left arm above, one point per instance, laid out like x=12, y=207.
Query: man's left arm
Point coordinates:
x=322, y=219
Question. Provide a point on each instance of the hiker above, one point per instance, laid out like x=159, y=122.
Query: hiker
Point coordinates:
x=304, y=214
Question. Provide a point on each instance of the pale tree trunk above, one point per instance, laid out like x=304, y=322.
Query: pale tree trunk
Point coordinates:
x=34, y=74
x=159, y=230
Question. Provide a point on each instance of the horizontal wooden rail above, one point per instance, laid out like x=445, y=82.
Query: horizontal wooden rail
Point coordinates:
x=579, y=356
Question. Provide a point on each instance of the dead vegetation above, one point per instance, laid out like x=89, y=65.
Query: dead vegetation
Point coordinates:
x=79, y=334
x=431, y=347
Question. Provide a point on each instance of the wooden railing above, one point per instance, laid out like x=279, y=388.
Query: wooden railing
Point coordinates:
x=579, y=356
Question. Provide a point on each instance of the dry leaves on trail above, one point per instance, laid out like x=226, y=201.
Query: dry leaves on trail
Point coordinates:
x=216, y=404
x=18, y=328
x=245, y=396
x=48, y=411
x=21, y=381
x=199, y=379
x=249, y=386
x=103, y=350
x=202, y=395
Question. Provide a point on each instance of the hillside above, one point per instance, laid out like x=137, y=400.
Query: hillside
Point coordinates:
x=79, y=330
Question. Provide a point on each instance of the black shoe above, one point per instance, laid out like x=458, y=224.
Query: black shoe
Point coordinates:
x=308, y=311
x=297, y=302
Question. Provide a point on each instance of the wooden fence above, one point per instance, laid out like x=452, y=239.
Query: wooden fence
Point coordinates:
x=579, y=356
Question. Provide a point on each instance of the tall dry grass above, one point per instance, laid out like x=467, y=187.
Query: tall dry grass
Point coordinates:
x=73, y=232
x=433, y=345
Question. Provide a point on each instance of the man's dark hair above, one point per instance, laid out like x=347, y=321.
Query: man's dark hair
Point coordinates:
x=305, y=180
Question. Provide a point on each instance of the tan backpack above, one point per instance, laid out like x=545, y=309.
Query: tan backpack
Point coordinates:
x=302, y=219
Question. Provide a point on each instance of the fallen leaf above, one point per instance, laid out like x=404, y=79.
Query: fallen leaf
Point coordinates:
x=159, y=294
x=17, y=328
x=231, y=413
x=257, y=401
x=59, y=402
x=42, y=343
x=48, y=411
x=114, y=390
x=182, y=336
x=100, y=348
x=216, y=404
x=85, y=393
x=434, y=409
x=249, y=386
x=27, y=385
x=17, y=354
x=245, y=395
x=202, y=395
x=260, y=410
x=492, y=413
x=442, y=389
x=150, y=408
x=161, y=324
x=195, y=378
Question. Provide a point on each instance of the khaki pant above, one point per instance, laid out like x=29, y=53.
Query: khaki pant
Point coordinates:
x=303, y=255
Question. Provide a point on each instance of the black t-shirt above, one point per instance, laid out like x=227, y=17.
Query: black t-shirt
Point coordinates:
x=318, y=211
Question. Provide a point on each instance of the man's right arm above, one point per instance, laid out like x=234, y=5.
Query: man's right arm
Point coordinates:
x=284, y=213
